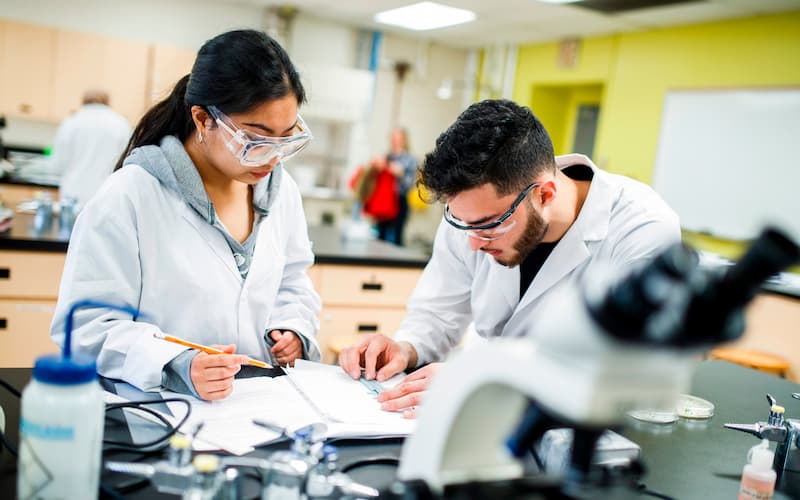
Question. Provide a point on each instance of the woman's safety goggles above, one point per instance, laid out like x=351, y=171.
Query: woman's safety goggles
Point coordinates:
x=253, y=150
x=493, y=230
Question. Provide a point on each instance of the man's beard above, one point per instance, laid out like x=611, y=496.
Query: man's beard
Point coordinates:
x=532, y=235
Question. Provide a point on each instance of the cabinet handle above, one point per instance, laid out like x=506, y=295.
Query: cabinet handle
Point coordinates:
x=367, y=328
x=372, y=286
x=3, y=323
x=5, y=273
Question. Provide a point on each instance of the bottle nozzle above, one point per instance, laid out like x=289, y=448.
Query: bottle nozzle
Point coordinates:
x=83, y=304
x=761, y=456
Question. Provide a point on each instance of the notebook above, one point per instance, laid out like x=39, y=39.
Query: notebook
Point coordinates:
x=309, y=393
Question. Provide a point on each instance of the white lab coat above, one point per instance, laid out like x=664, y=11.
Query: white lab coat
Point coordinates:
x=622, y=221
x=86, y=148
x=140, y=244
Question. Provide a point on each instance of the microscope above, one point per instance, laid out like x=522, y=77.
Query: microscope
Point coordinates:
x=611, y=346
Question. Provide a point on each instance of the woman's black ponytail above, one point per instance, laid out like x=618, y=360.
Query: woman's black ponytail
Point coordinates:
x=169, y=117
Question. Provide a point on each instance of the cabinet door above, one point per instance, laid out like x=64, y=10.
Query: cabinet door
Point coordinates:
x=169, y=64
x=125, y=75
x=25, y=332
x=26, y=66
x=30, y=274
x=84, y=61
x=77, y=68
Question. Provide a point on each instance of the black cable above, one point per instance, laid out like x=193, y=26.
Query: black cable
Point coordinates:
x=10, y=388
x=370, y=461
x=3, y=439
x=155, y=444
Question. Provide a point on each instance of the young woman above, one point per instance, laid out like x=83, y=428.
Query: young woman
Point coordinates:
x=201, y=229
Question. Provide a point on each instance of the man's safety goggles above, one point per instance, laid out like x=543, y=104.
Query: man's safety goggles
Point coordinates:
x=493, y=230
x=253, y=150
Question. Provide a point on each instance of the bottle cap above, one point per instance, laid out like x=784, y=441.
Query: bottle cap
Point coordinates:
x=180, y=441
x=54, y=369
x=206, y=463
x=760, y=456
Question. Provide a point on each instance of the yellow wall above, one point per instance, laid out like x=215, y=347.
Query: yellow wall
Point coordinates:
x=636, y=70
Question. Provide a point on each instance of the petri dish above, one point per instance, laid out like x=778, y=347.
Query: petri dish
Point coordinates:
x=693, y=407
x=654, y=416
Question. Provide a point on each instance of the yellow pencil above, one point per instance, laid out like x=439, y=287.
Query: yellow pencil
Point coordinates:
x=206, y=349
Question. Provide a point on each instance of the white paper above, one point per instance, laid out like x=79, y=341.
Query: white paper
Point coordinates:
x=328, y=395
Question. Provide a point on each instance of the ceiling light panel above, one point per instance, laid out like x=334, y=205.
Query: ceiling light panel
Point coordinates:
x=425, y=16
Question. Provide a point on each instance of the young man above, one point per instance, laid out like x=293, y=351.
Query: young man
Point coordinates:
x=518, y=224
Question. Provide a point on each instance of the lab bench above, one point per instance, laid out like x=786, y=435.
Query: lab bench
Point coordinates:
x=687, y=459
x=364, y=286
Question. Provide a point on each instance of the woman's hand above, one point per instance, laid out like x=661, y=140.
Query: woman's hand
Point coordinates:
x=212, y=374
x=288, y=346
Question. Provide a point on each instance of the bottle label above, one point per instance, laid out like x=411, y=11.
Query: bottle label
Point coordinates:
x=750, y=493
x=49, y=432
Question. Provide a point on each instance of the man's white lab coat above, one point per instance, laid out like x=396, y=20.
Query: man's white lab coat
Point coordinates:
x=622, y=221
x=86, y=148
x=146, y=248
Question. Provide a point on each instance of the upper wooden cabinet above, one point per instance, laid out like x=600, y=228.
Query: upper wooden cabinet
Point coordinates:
x=45, y=71
x=169, y=64
x=85, y=61
x=27, y=52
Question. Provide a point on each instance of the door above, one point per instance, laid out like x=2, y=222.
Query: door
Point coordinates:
x=586, y=129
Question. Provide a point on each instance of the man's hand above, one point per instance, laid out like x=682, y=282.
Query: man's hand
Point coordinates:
x=212, y=374
x=409, y=393
x=288, y=346
x=377, y=353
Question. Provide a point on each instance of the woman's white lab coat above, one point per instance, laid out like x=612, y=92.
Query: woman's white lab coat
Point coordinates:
x=622, y=221
x=140, y=244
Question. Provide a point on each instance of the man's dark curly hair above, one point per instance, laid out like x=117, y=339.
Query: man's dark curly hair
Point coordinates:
x=493, y=141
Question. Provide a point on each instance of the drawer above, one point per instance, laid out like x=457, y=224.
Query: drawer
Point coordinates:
x=343, y=326
x=367, y=286
x=30, y=274
x=25, y=332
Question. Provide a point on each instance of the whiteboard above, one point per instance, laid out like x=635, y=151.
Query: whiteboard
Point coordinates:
x=727, y=160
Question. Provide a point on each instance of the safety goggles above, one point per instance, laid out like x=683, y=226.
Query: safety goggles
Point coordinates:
x=253, y=150
x=493, y=230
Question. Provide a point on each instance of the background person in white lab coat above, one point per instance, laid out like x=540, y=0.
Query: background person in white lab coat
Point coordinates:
x=201, y=229
x=87, y=145
x=518, y=225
